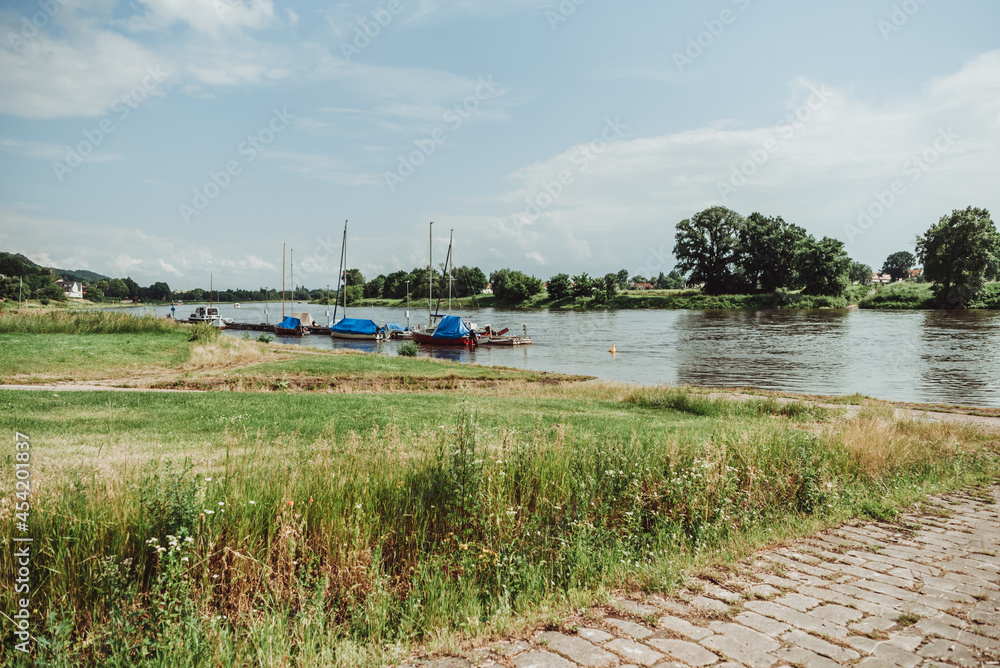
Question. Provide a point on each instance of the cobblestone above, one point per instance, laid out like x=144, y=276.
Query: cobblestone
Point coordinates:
x=921, y=598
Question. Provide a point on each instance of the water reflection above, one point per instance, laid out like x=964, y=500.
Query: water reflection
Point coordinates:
x=926, y=356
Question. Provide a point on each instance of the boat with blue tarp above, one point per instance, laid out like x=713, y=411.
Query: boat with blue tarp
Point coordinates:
x=451, y=331
x=357, y=329
x=290, y=326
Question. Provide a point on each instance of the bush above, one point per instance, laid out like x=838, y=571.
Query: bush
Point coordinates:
x=408, y=349
x=203, y=332
x=900, y=296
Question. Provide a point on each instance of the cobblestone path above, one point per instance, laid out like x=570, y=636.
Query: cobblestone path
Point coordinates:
x=923, y=592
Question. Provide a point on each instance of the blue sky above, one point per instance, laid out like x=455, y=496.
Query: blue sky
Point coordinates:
x=171, y=139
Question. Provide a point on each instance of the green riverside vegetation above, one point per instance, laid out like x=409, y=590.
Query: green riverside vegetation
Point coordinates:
x=354, y=527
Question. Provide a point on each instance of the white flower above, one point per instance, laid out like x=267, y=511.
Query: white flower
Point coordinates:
x=222, y=503
x=253, y=503
x=208, y=480
x=189, y=539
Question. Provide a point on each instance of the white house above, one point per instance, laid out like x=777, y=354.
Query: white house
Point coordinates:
x=72, y=289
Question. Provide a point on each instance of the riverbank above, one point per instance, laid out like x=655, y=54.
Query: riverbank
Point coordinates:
x=895, y=296
x=362, y=524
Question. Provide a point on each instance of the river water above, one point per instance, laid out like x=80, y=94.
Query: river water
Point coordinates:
x=920, y=356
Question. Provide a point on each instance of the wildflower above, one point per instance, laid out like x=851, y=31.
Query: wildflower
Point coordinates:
x=253, y=503
x=189, y=539
x=208, y=480
x=215, y=577
x=291, y=503
x=222, y=503
x=184, y=559
x=209, y=512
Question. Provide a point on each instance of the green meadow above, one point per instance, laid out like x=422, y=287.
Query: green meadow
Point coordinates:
x=351, y=527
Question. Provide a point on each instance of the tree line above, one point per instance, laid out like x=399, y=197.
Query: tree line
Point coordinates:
x=717, y=249
x=727, y=253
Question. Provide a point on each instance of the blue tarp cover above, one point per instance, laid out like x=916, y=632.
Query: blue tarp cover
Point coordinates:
x=355, y=326
x=451, y=327
x=290, y=323
x=394, y=327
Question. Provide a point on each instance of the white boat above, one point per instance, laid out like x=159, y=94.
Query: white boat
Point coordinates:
x=211, y=315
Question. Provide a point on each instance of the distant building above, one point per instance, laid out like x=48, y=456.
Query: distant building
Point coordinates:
x=916, y=273
x=488, y=290
x=881, y=279
x=72, y=289
x=643, y=286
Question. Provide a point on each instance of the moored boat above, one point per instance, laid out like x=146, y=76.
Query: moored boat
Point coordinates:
x=451, y=331
x=290, y=327
x=357, y=329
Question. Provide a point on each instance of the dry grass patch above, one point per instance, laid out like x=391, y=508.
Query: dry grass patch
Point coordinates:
x=226, y=352
x=877, y=440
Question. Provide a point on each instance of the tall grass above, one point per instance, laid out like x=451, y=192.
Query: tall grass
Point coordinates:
x=900, y=296
x=337, y=550
x=82, y=322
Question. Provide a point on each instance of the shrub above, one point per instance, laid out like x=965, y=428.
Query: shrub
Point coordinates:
x=203, y=332
x=408, y=349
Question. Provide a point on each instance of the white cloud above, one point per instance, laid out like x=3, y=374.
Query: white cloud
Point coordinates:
x=125, y=263
x=83, y=74
x=167, y=267
x=49, y=151
x=822, y=170
x=210, y=17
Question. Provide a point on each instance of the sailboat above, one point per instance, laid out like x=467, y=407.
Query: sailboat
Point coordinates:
x=452, y=330
x=289, y=325
x=354, y=329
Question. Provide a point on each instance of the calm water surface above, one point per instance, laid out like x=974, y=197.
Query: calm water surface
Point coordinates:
x=922, y=356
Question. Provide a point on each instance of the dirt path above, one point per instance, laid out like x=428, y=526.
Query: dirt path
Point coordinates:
x=901, y=412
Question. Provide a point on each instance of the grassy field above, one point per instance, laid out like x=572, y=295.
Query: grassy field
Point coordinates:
x=122, y=349
x=354, y=528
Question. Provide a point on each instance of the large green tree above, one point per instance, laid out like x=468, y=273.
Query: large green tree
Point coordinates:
x=469, y=281
x=898, y=265
x=513, y=287
x=583, y=286
x=824, y=267
x=960, y=253
x=860, y=273
x=707, y=248
x=560, y=286
x=768, y=252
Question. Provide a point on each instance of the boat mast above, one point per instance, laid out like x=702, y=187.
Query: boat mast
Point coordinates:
x=340, y=275
x=430, y=276
x=343, y=251
x=437, y=309
x=282, y=281
x=291, y=269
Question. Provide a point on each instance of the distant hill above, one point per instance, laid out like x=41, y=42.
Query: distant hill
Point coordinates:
x=14, y=264
x=80, y=275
